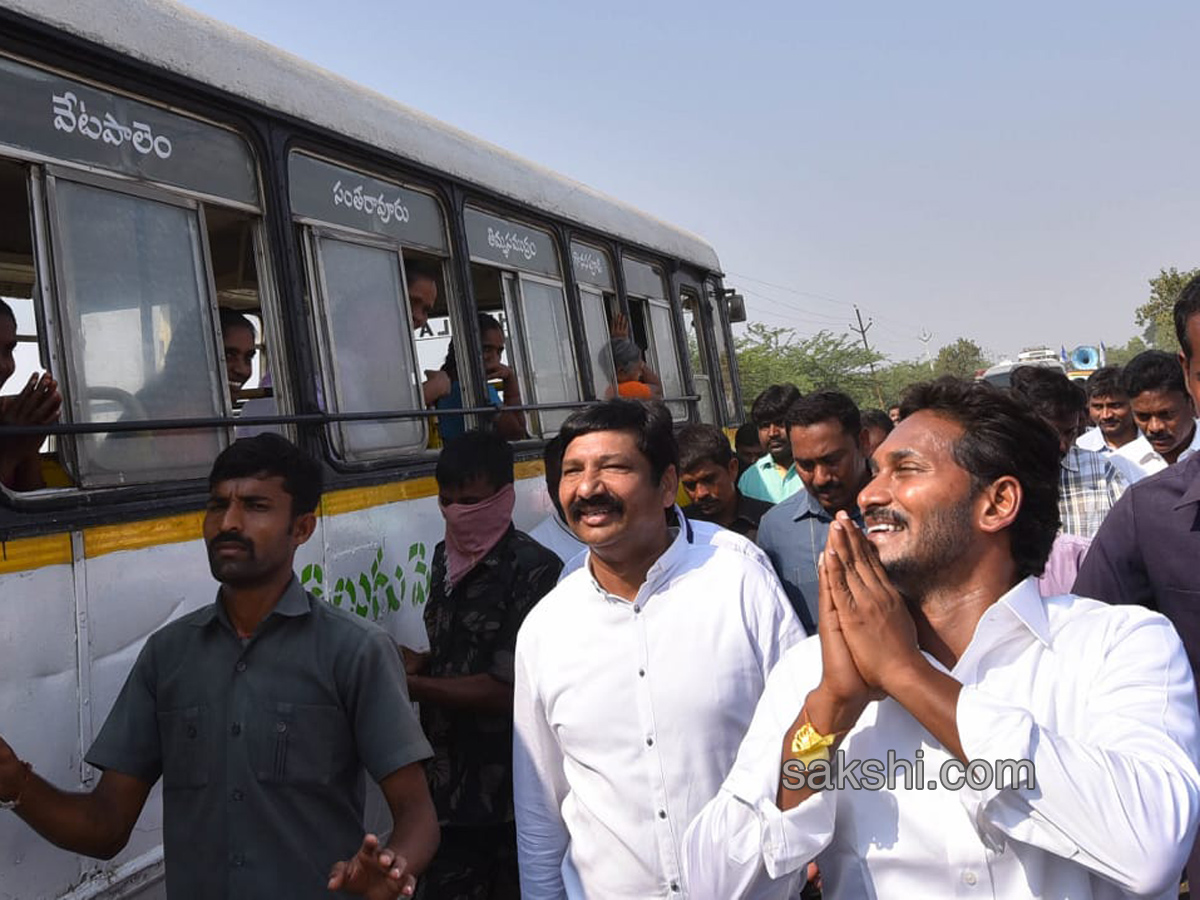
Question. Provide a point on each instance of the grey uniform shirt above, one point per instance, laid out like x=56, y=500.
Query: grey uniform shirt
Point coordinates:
x=261, y=744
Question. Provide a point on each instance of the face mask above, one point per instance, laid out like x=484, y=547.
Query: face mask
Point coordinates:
x=472, y=530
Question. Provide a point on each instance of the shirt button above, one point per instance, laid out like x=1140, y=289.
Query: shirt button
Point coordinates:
x=191, y=731
x=969, y=877
x=649, y=742
x=235, y=729
x=236, y=860
x=662, y=813
x=641, y=673
x=241, y=665
x=238, y=796
x=281, y=727
x=675, y=886
x=637, y=609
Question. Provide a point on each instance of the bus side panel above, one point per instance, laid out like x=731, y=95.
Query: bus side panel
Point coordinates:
x=39, y=700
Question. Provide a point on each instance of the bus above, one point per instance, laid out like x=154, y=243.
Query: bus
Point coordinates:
x=157, y=169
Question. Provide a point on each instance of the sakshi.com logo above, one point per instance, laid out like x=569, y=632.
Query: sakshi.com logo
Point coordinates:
x=890, y=774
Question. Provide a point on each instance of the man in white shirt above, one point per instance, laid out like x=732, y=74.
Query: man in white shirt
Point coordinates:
x=1162, y=409
x=1113, y=425
x=937, y=652
x=637, y=676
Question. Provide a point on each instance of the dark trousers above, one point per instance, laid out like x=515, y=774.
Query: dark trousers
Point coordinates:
x=473, y=863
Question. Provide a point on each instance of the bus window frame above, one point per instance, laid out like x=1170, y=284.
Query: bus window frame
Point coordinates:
x=587, y=366
x=732, y=393
x=686, y=287
x=68, y=372
x=318, y=300
x=557, y=239
x=689, y=398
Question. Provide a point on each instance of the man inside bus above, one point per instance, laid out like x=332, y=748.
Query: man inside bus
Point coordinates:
x=1053, y=742
x=829, y=452
x=708, y=475
x=260, y=712
x=38, y=403
x=422, y=286
x=772, y=478
x=239, y=347
x=486, y=576
x=509, y=423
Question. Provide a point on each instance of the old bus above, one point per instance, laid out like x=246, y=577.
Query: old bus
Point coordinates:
x=157, y=167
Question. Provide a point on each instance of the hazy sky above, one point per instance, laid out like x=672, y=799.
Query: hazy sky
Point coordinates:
x=1012, y=174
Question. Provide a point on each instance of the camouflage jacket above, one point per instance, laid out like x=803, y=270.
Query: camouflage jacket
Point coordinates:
x=473, y=630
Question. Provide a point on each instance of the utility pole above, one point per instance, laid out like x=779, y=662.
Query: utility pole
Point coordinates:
x=861, y=331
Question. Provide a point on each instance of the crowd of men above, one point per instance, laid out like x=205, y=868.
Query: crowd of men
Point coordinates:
x=638, y=699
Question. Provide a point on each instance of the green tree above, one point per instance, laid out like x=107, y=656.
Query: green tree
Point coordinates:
x=769, y=356
x=962, y=359
x=1155, y=314
x=1118, y=356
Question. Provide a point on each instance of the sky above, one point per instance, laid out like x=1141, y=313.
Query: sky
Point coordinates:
x=1012, y=172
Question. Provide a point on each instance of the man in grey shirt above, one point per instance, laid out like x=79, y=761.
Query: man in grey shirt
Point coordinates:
x=829, y=454
x=260, y=713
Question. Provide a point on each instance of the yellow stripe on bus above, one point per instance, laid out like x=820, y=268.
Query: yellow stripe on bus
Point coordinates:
x=32, y=553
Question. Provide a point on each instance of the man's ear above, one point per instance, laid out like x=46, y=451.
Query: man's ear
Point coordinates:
x=998, y=504
x=303, y=527
x=732, y=468
x=669, y=485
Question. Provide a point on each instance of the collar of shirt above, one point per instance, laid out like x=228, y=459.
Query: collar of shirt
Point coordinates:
x=292, y=602
x=1143, y=453
x=1093, y=439
x=809, y=506
x=671, y=558
x=1191, y=476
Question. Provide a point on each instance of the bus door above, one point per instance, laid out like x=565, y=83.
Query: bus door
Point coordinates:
x=653, y=328
x=517, y=277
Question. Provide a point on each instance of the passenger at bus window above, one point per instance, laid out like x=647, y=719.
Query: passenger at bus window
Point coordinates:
x=635, y=380
x=878, y=426
x=240, y=348
x=553, y=532
x=422, y=297
x=262, y=709
x=38, y=403
x=486, y=577
x=747, y=445
x=510, y=424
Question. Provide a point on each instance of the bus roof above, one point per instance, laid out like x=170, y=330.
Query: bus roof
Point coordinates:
x=172, y=37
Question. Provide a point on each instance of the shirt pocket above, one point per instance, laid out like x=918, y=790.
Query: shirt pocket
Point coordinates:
x=299, y=744
x=184, y=734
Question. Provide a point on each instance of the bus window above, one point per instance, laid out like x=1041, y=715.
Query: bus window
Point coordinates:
x=532, y=297
x=724, y=357
x=693, y=329
x=136, y=328
x=597, y=300
x=652, y=323
x=366, y=332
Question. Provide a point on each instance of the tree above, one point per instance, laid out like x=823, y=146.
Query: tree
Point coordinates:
x=769, y=356
x=1118, y=356
x=1155, y=315
x=962, y=359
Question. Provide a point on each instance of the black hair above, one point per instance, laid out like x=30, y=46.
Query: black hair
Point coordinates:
x=269, y=455
x=1186, y=306
x=877, y=418
x=746, y=435
x=6, y=310
x=649, y=421
x=231, y=318
x=415, y=271
x=1105, y=382
x=625, y=353
x=553, y=459
x=1152, y=370
x=703, y=443
x=1048, y=391
x=822, y=406
x=475, y=453
x=772, y=404
x=484, y=323
x=1001, y=436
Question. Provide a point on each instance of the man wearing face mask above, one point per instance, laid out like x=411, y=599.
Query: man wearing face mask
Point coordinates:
x=486, y=577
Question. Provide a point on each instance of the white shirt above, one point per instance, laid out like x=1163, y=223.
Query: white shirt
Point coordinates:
x=1101, y=700
x=1093, y=439
x=1143, y=454
x=627, y=716
x=553, y=534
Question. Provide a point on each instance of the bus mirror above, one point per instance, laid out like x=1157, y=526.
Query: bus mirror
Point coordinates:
x=735, y=306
